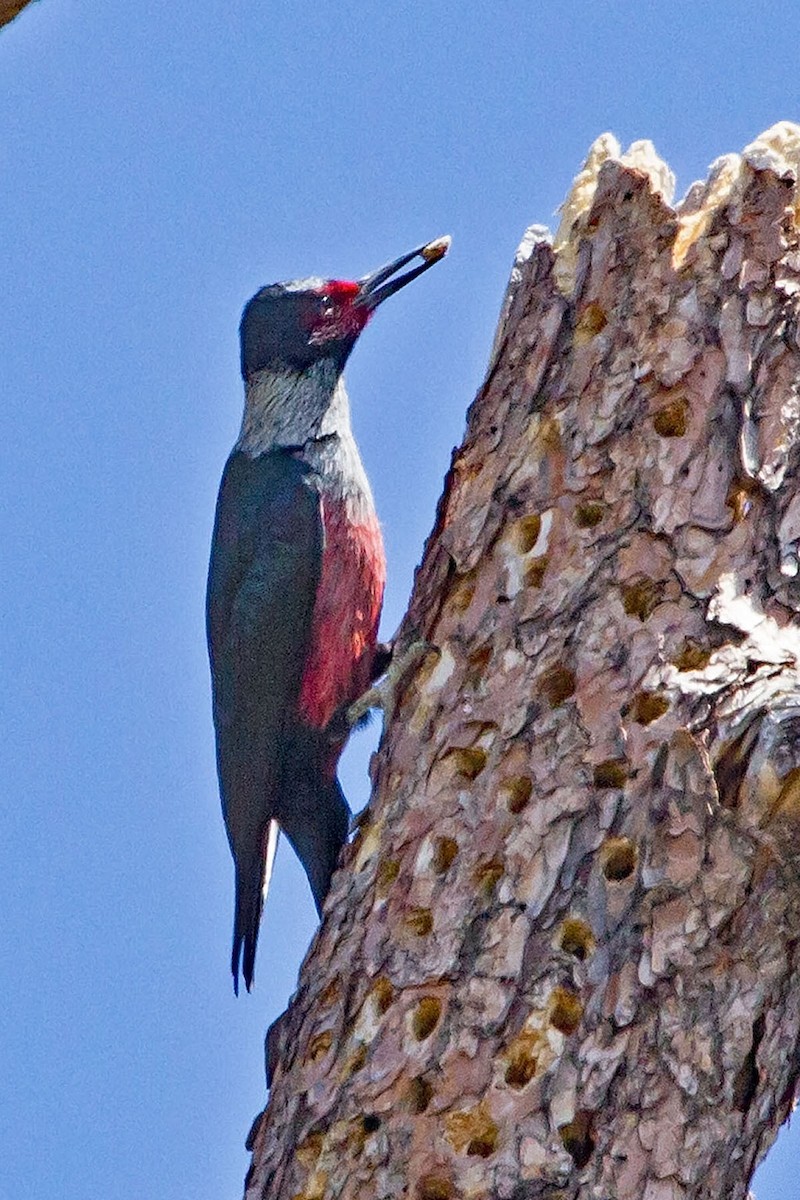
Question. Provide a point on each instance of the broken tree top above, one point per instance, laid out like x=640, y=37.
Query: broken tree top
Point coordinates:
x=561, y=955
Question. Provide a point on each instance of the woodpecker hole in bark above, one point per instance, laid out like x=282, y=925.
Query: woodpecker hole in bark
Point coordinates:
x=330, y=995
x=641, y=597
x=468, y=761
x=419, y=921
x=426, y=1017
x=670, y=421
x=528, y=1055
x=482, y=1147
x=611, y=774
x=356, y=1061
x=516, y=792
x=588, y=514
x=382, y=994
x=445, y=851
x=435, y=1187
x=526, y=532
x=566, y=1010
x=739, y=500
x=618, y=858
x=419, y=1094
x=648, y=707
x=558, y=685
x=535, y=572
x=592, y=321
x=521, y=1069
x=461, y=596
x=577, y=1138
x=575, y=937
x=478, y=662
x=692, y=656
x=487, y=876
x=388, y=871
x=473, y=1133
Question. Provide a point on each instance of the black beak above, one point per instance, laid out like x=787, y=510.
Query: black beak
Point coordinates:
x=374, y=288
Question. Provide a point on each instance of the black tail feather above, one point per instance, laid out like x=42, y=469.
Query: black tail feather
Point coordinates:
x=310, y=808
x=249, y=902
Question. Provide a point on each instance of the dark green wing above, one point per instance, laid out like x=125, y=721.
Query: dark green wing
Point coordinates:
x=266, y=559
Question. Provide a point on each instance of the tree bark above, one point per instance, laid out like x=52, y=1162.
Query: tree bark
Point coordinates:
x=561, y=957
x=10, y=9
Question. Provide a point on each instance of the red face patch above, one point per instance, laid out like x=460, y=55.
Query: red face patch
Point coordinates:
x=340, y=290
x=338, y=317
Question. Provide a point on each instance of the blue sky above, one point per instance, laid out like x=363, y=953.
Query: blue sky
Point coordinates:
x=160, y=162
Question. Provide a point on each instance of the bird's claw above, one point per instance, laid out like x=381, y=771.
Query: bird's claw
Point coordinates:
x=382, y=693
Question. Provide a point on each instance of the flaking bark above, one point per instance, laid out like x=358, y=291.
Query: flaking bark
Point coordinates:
x=561, y=958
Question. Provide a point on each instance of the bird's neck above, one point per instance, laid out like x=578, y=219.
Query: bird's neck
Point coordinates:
x=291, y=408
x=309, y=413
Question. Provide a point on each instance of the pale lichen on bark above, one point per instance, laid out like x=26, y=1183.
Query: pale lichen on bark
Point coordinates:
x=561, y=957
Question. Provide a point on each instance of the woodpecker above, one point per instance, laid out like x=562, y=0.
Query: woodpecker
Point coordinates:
x=295, y=584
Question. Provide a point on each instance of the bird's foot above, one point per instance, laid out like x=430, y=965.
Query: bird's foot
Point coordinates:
x=383, y=693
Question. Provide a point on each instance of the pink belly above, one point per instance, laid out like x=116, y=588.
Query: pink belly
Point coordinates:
x=346, y=614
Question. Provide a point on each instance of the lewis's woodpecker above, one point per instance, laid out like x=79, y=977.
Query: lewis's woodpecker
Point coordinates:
x=295, y=583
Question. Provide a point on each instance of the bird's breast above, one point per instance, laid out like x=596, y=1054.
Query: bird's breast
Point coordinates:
x=347, y=610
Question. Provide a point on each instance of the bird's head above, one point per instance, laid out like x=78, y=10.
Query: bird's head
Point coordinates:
x=296, y=325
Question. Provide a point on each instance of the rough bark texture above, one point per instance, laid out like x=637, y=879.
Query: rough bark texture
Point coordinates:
x=10, y=9
x=562, y=957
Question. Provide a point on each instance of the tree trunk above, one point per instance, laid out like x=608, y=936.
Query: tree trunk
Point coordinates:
x=561, y=957
x=10, y=9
